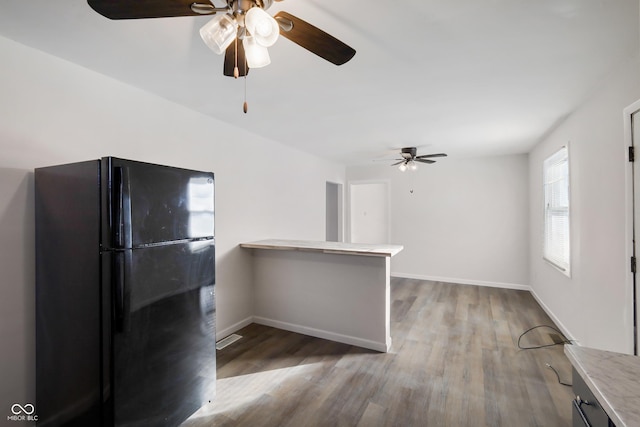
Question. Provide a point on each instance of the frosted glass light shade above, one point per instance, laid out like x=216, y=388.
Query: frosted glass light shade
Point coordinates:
x=219, y=32
x=402, y=167
x=262, y=26
x=257, y=56
x=412, y=165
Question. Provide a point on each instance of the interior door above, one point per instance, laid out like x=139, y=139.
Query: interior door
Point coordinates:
x=369, y=212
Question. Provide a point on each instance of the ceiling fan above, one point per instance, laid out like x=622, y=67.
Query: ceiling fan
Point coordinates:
x=240, y=20
x=410, y=157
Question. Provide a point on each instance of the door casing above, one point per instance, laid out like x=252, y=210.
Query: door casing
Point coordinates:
x=632, y=212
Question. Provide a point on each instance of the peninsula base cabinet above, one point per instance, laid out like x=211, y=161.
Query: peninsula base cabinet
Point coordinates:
x=587, y=411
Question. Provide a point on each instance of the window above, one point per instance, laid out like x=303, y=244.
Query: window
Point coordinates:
x=556, y=210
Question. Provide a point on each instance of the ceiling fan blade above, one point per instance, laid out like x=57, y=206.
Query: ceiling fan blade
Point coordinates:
x=127, y=9
x=431, y=155
x=401, y=161
x=313, y=39
x=424, y=160
x=230, y=60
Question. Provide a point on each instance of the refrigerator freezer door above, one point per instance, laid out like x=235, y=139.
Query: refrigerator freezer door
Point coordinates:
x=150, y=204
x=163, y=333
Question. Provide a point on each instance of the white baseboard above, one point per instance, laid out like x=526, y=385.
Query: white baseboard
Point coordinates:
x=318, y=333
x=463, y=281
x=385, y=347
x=233, y=328
x=558, y=323
x=515, y=286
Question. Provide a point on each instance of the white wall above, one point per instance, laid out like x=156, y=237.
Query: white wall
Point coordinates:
x=466, y=220
x=594, y=305
x=54, y=112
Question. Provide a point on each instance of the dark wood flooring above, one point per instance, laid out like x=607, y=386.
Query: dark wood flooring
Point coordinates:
x=454, y=362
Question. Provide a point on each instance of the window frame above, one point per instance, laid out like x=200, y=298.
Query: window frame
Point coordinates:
x=561, y=212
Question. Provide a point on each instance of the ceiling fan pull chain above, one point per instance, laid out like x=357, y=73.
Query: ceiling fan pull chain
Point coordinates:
x=245, y=106
x=236, y=72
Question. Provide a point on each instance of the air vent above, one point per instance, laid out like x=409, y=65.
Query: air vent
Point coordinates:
x=225, y=342
x=557, y=339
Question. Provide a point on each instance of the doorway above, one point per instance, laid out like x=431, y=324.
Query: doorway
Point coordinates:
x=333, y=228
x=369, y=212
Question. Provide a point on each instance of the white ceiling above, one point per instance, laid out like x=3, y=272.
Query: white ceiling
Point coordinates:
x=467, y=77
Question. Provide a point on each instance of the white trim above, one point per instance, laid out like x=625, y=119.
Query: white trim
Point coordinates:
x=385, y=347
x=628, y=199
x=515, y=286
x=319, y=333
x=556, y=266
x=233, y=328
x=553, y=317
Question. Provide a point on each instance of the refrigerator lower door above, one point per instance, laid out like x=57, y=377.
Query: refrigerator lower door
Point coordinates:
x=163, y=327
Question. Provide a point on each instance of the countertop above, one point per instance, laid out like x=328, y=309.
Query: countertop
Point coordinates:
x=614, y=379
x=365, y=249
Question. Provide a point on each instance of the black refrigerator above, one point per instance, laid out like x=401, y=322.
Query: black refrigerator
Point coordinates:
x=125, y=299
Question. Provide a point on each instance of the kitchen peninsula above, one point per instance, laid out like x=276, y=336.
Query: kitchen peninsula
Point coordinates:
x=606, y=385
x=331, y=290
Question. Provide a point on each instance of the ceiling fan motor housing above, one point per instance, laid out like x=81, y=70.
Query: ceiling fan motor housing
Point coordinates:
x=242, y=6
x=408, y=152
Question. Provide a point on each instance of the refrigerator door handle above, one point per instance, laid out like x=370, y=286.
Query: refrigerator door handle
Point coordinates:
x=118, y=200
x=119, y=290
x=121, y=208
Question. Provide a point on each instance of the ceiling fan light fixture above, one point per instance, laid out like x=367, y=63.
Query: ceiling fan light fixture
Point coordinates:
x=402, y=167
x=257, y=55
x=412, y=165
x=262, y=26
x=219, y=32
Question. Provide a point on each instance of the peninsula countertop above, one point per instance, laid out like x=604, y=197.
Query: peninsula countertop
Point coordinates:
x=614, y=379
x=366, y=249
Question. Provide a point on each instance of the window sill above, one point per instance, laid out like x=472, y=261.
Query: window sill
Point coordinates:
x=563, y=270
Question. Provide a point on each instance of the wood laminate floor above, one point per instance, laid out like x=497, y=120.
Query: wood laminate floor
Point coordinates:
x=454, y=362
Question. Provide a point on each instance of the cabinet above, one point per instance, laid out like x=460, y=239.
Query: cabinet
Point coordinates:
x=587, y=411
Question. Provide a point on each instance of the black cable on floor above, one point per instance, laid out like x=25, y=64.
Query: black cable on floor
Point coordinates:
x=558, y=375
x=564, y=341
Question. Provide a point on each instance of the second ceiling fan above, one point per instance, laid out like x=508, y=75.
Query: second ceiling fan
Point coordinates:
x=410, y=157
